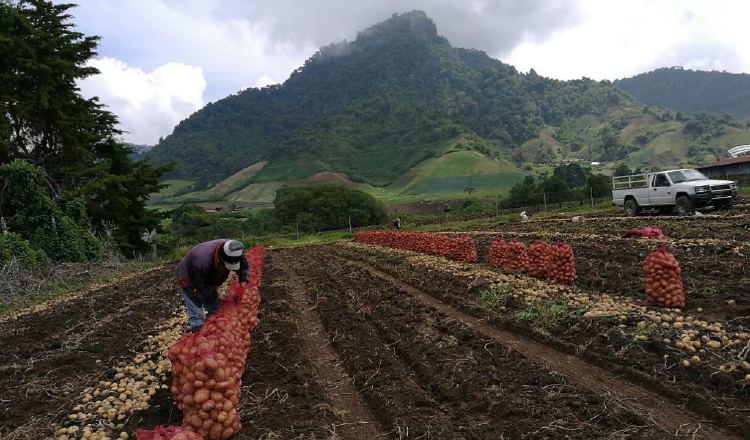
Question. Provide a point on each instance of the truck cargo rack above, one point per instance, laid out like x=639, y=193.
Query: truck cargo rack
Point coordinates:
x=630, y=182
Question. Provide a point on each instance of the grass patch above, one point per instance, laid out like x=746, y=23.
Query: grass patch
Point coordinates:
x=454, y=172
x=493, y=299
x=309, y=239
x=644, y=329
x=505, y=218
x=62, y=287
x=286, y=170
x=173, y=188
x=543, y=316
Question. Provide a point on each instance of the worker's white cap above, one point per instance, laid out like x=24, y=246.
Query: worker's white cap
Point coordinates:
x=233, y=252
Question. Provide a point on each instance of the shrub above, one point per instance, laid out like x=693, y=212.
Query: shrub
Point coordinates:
x=13, y=246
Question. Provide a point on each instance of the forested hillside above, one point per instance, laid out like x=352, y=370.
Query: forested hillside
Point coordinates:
x=386, y=109
x=692, y=91
x=375, y=107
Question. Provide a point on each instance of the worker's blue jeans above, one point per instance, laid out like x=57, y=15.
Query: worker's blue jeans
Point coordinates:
x=196, y=317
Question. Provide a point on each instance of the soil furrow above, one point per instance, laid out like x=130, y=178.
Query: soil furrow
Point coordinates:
x=653, y=407
x=487, y=390
x=358, y=423
x=280, y=397
x=396, y=400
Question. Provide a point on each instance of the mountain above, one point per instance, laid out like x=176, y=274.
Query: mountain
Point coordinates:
x=692, y=91
x=403, y=114
x=375, y=107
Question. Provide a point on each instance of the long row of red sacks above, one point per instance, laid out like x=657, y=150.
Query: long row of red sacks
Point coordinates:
x=554, y=262
x=453, y=248
x=207, y=366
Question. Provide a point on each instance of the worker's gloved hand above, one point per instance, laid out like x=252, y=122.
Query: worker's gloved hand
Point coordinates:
x=222, y=294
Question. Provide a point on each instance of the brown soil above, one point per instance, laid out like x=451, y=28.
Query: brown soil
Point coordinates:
x=435, y=374
x=49, y=357
x=346, y=350
x=357, y=422
x=600, y=342
x=425, y=207
x=628, y=395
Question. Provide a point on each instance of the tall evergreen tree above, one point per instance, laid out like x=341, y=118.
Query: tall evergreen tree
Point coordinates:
x=45, y=120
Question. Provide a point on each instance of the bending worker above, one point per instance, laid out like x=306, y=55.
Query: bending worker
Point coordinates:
x=202, y=270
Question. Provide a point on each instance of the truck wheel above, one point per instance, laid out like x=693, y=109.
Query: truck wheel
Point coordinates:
x=631, y=208
x=685, y=206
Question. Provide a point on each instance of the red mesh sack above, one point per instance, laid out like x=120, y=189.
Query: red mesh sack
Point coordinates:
x=539, y=259
x=497, y=253
x=207, y=366
x=644, y=232
x=662, y=278
x=518, y=258
x=511, y=256
x=562, y=264
x=167, y=433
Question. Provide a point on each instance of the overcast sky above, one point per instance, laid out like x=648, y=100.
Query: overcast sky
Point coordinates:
x=161, y=60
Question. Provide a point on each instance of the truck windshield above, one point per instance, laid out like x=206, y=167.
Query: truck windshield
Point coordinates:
x=686, y=176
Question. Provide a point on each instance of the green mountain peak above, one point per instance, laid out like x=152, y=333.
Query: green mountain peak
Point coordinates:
x=399, y=95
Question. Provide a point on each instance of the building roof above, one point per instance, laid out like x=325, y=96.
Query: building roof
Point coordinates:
x=724, y=162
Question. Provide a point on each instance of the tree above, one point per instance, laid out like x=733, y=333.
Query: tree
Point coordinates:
x=325, y=207
x=469, y=190
x=601, y=185
x=524, y=193
x=44, y=120
x=555, y=189
x=573, y=174
x=622, y=170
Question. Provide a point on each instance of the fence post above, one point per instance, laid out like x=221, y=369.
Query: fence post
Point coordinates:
x=592, y=195
x=350, y=224
x=545, y=200
x=297, y=235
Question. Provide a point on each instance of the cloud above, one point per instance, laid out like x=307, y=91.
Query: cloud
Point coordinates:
x=252, y=43
x=495, y=26
x=236, y=41
x=623, y=38
x=148, y=104
x=232, y=51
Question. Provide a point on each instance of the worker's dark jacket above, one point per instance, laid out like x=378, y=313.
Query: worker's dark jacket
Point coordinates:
x=200, y=272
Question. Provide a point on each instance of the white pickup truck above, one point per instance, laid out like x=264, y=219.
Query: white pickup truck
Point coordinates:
x=684, y=189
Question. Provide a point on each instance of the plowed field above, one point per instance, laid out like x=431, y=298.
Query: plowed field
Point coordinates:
x=360, y=342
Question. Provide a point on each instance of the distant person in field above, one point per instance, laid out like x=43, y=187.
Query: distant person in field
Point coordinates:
x=202, y=270
x=397, y=223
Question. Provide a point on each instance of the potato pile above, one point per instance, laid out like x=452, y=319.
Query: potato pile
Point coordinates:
x=207, y=366
x=511, y=255
x=663, y=279
x=167, y=433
